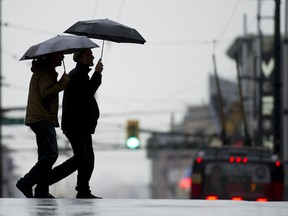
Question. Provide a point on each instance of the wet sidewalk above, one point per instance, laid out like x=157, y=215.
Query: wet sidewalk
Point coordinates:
x=138, y=207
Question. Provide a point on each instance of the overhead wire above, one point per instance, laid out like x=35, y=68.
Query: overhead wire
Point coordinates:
x=205, y=42
x=219, y=40
x=29, y=29
x=255, y=17
x=159, y=100
x=224, y=30
x=179, y=42
x=228, y=21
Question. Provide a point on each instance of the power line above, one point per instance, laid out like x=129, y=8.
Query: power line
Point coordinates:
x=149, y=112
x=255, y=17
x=29, y=29
x=183, y=42
x=229, y=20
x=159, y=100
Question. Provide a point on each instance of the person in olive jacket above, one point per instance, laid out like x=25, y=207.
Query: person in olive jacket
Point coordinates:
x=42, y=118
x=80, y=113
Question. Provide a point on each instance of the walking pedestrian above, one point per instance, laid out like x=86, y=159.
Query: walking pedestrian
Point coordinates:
x=42, y=118
x=80, y=114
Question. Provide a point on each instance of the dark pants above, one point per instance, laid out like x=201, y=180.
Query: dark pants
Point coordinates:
x=82, y=160
x=47, y=156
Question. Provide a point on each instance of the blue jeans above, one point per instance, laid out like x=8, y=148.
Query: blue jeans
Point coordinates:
x=47, y=156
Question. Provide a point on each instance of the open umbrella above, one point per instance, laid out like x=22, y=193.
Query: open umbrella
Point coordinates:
x=106, y=29
x=65, y=43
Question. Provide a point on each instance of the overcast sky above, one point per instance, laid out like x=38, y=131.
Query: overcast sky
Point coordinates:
x=146, y=82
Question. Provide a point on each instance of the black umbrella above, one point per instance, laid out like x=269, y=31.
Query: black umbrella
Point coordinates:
x=66, y=44
x=106, y=29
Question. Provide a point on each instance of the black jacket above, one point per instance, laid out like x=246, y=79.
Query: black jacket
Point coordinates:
x=80, y=110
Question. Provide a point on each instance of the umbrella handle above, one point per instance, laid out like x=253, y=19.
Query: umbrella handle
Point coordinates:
x=102, y=50
x=64, y=66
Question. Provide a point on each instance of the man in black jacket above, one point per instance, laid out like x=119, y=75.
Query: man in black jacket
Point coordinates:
x=80, y=113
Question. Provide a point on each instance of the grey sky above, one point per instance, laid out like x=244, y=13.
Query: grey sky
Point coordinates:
x=163, y=76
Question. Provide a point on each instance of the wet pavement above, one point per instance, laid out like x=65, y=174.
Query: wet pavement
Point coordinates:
x=138, y=207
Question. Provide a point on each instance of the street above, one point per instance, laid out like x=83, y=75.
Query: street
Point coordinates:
x=139, y=207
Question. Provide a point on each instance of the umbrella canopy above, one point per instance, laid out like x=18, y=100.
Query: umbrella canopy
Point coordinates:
x=106, y=29
x=66, y=44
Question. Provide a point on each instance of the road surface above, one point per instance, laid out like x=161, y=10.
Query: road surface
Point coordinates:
x=138, y=207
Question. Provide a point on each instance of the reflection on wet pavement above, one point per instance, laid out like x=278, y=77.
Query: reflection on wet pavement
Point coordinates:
x=137, y=207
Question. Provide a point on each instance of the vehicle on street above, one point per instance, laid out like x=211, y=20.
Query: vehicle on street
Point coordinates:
x=242, y=173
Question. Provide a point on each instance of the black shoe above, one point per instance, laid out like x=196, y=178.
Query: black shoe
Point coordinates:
x=44, y=196
x=25, y=189
x=87, y=196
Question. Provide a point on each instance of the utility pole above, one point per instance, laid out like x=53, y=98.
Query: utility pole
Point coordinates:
x=277, y=129
x=285, y=104
x=285, y=88
x=259, y=76
x=242, y=94
x=220, y=105
x=1, y=113
x=247, y=139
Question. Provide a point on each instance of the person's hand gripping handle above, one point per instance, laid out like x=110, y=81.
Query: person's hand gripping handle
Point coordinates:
x=99, y=66
x=65, y=76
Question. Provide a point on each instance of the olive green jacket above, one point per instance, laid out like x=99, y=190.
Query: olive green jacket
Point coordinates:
x=43, y=97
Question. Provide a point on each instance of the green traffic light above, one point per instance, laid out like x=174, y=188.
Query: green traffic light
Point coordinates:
x=133, y=143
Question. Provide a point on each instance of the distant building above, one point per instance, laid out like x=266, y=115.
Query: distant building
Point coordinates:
x=197, y=119
x=255, y=55
x=230, y=108
x=188, y=133
x=171, y=153
x=201, y=123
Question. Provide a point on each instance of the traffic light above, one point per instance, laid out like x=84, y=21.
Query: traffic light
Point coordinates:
x=132, y=130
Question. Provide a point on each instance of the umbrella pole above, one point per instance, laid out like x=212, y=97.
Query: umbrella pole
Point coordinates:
x=102, y=50
x=64, y=66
